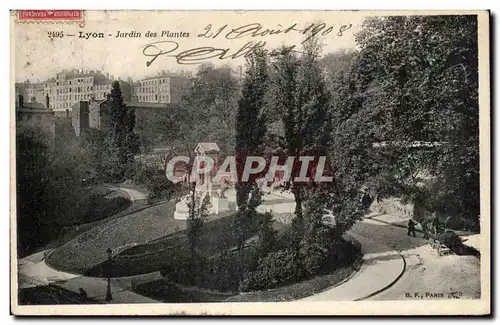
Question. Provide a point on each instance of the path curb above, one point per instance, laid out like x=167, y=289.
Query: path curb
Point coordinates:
x=390, y=284
x=396, y=279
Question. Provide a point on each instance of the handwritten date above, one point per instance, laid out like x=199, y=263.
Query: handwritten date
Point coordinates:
x=253, y=30
x=257, y=30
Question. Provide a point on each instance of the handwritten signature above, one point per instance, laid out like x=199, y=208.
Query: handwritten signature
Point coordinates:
x=199, y=54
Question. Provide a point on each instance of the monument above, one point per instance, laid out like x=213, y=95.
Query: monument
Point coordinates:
x=204, y=185
x=220, y=203
x=182, y=208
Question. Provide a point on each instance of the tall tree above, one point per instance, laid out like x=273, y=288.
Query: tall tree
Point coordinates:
x=299, y=94
x=122, y=142
x=250, y=131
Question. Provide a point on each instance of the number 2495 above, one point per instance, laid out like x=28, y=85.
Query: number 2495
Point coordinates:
x=55, y=34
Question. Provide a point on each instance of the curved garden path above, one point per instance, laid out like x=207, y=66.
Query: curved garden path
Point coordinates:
x=33, y=269
x=393, y=263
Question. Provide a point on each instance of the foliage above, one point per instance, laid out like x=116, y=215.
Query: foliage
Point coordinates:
x=206, y=113
x=246, y=209
x=100, y=207
x=450, y=239
x=198, y=214
x=250, y=130
x=277, y=268
x=179, y=269
x=301, y=289
x=267, y=235
x=93, y=143
x=121, y=141
x=49, y=184
x=419, y=77
x=141, y=173
x=315, y=244
x=159, y=186
x=337, y=63
x=145, y=126
x=299, y=97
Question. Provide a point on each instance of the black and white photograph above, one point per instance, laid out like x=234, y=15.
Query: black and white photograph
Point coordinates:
x=200, y=162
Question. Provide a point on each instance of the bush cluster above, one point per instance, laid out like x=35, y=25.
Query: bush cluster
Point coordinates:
x=156, y=182
x=286, y=265
x=275, y=269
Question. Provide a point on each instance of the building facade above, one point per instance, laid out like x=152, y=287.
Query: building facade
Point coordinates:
x=91, y=114
x=69, y=88
x=164, y=88
x=35, y=113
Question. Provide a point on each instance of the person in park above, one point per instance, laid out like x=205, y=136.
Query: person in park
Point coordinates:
x=425, y=228
x=411, y=227
x=435, y=225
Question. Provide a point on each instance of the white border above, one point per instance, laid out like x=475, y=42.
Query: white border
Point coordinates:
x=148, y=4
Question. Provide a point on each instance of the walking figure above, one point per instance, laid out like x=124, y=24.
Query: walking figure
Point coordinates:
x=435, y=225
x=425, y=228
x=411, y=228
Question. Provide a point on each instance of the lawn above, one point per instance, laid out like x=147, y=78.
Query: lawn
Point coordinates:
x=89, y=248
x=51, y=295
x=168, y=292
x=216, y=236
x=95, y=204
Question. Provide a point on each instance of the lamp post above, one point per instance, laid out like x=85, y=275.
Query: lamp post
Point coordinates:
x=109, y=297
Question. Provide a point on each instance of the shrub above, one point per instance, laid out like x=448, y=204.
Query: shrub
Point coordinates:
x=141, y=173
x=160, y=187
x=224, y=273
x=277, y=268
x=183, y=269
x=450, y=239
x=315, y=249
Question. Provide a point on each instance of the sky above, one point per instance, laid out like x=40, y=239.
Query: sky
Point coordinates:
x=38, y=57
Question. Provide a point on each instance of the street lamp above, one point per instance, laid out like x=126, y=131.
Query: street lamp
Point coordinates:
x=109, y=297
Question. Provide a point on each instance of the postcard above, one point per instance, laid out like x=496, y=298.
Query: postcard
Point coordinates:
x=250, y=162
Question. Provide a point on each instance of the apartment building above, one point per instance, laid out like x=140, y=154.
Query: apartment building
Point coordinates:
x=164, y=88
x=69, y=88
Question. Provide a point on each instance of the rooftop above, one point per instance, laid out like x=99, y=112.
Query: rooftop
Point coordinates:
x=204, y=147
x=35, y=105
x=140, y=105
x=164, y=74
